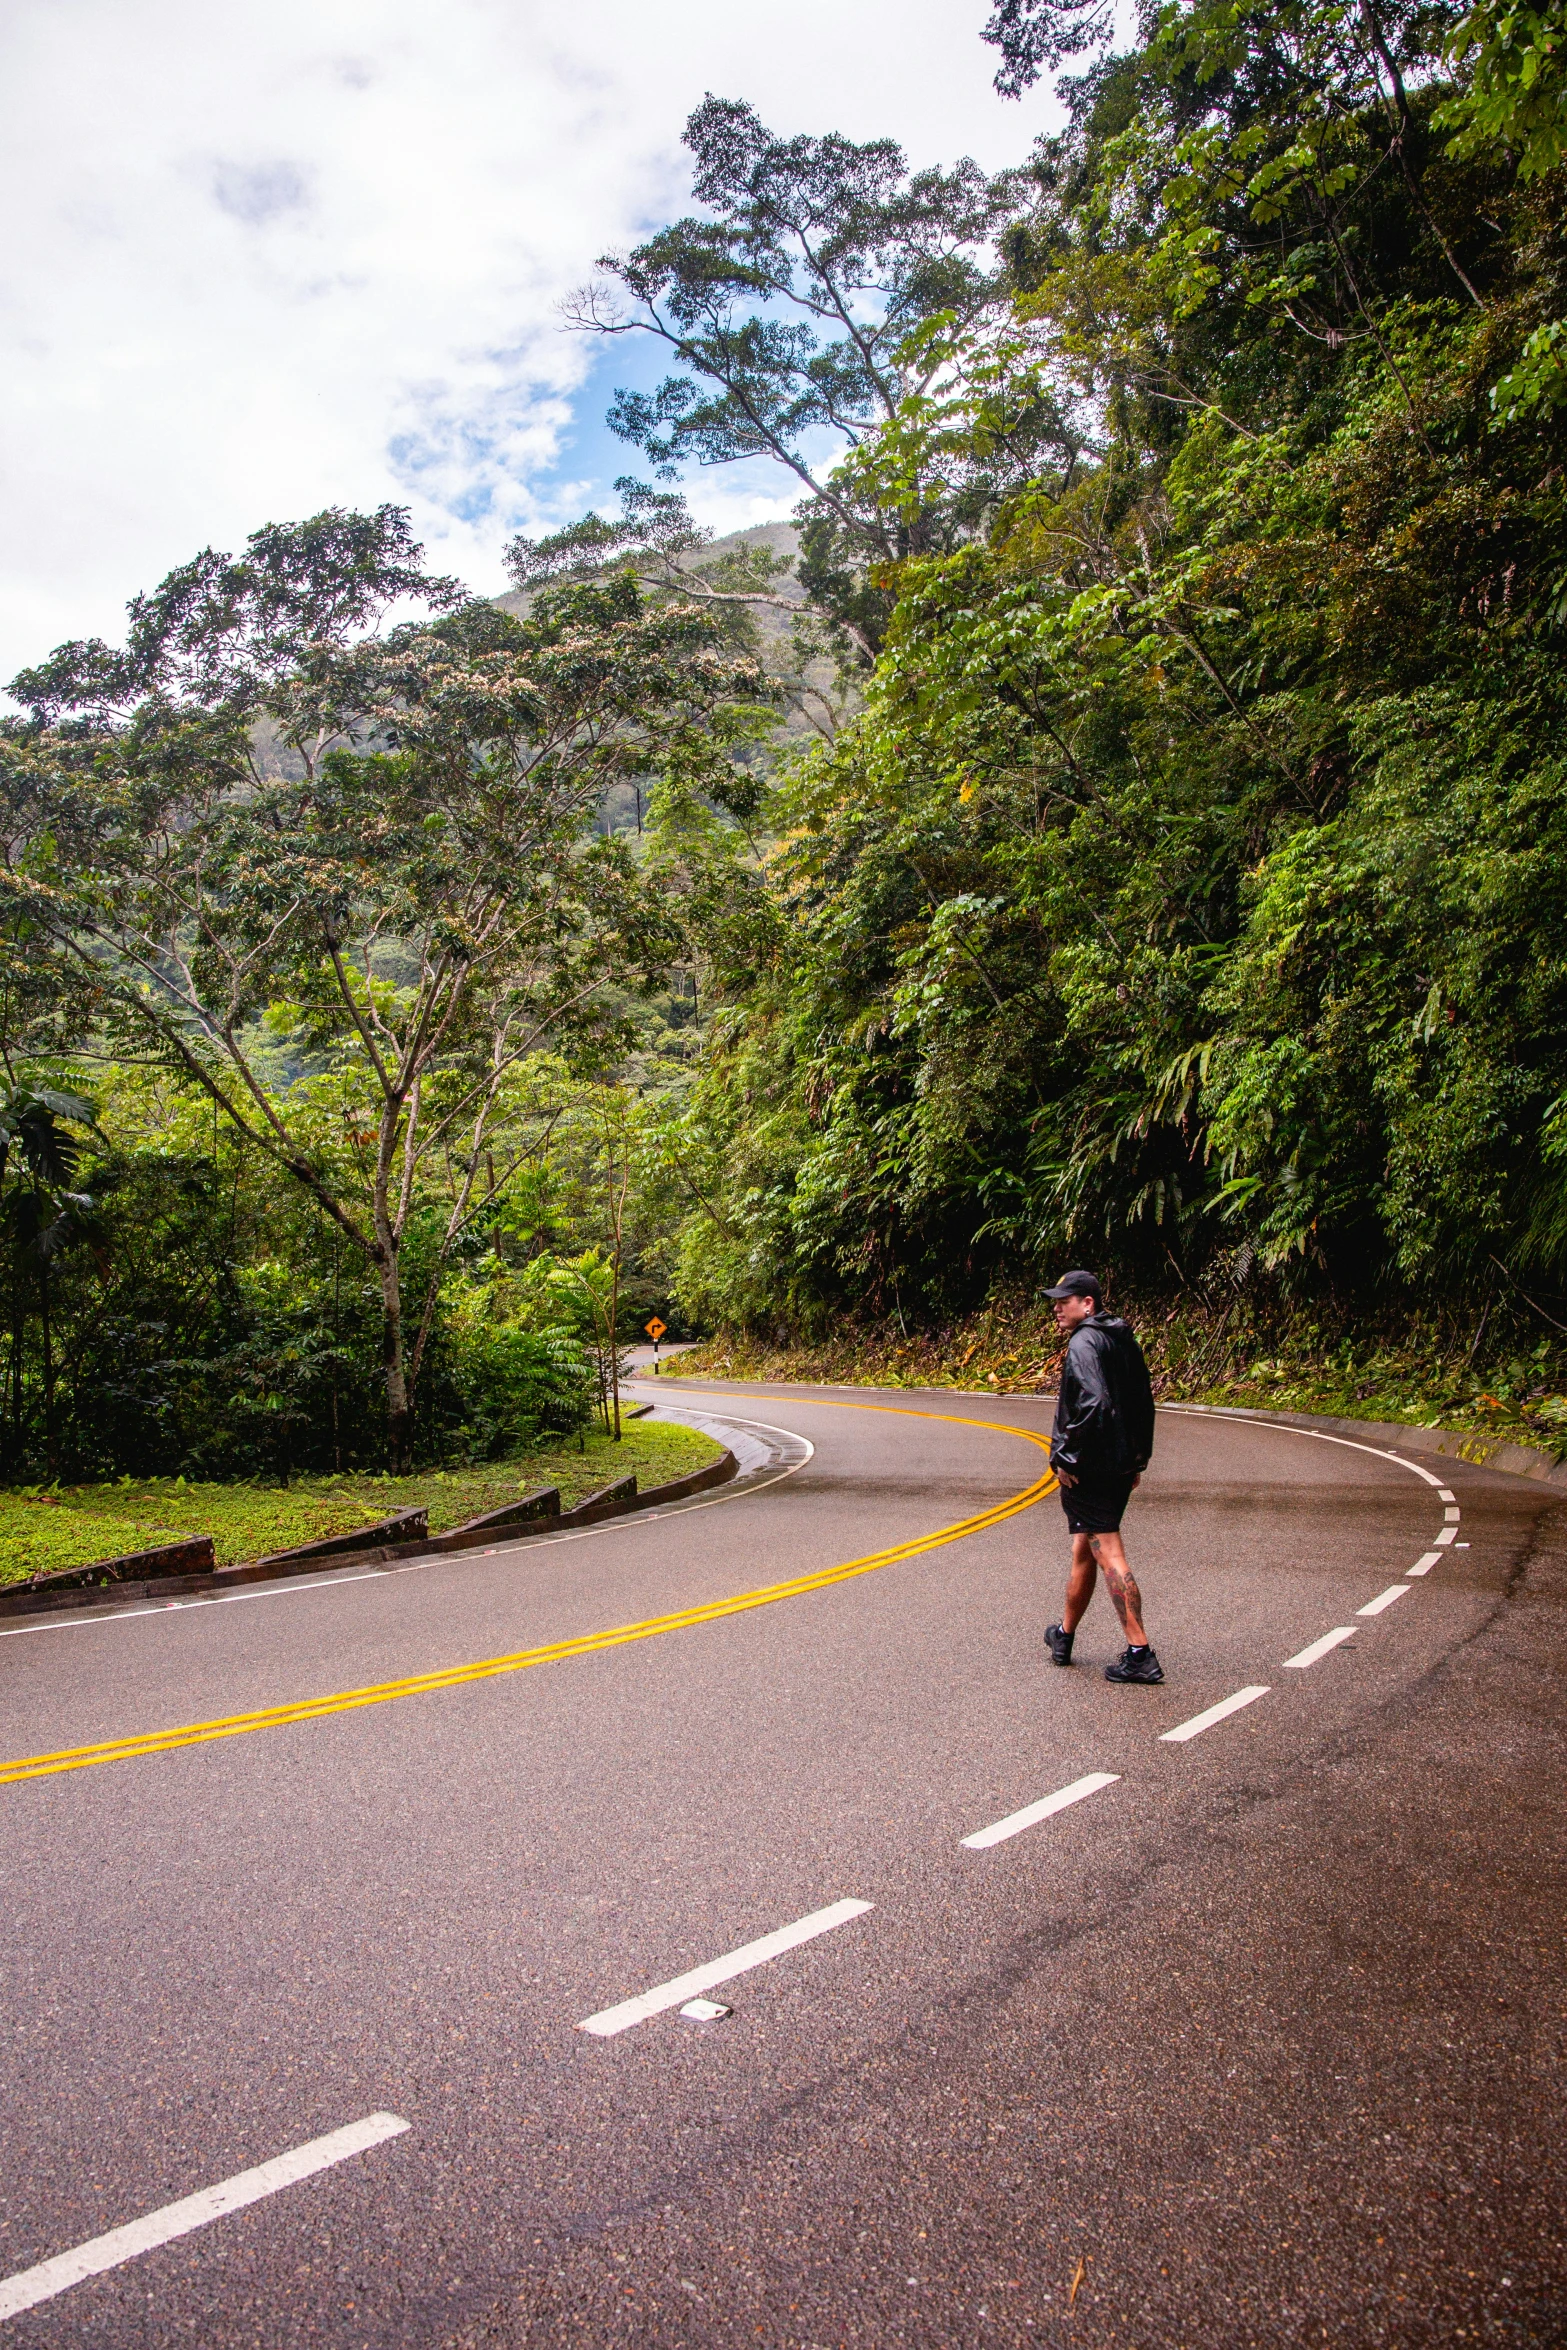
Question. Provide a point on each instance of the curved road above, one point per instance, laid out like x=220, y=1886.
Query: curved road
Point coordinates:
x=1257, y=2040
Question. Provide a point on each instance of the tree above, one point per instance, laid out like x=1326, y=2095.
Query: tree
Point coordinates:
x=1515, y=62
x=817, y=295
x=656, y=536
x=43, y=1215
x=1038, y=36
x=352, y=944
x=1254, y=145
x=612, y=1115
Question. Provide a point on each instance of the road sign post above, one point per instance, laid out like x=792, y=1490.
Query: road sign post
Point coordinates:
x=655, y=1330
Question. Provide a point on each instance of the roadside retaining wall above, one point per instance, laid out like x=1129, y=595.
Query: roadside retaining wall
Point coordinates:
x=611, y=1501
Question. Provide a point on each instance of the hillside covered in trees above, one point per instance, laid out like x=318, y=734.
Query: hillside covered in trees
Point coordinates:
x=1188, y=895
x=1131, y=829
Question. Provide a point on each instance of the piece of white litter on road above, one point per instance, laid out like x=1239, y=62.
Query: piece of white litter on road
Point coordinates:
x=1452, y=1516
x=32, y=2285
x=1215, y=1713
x=1433, y=1558
x=1442, y=1494
x=611, y=2020
x=1329, y=1640
x=1374, y=1607
x=705, y=2011
x=1016, y=1821
x=1445, y=1536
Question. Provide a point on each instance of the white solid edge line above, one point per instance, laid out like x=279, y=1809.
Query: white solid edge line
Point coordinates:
x=145, y=1610
x=611, y=2020
x=1319, y=1648
x=1215, y=1713
x=1282, y=1428
x=1374, y=1607
x=32, y=2285
x=169, y=1607
x=1016, y=1821
x=1433, y=1558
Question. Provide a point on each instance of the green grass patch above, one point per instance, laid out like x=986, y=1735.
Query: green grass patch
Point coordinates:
x=71, y=1526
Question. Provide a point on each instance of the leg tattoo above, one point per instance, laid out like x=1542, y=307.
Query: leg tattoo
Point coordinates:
x=1121, y=1584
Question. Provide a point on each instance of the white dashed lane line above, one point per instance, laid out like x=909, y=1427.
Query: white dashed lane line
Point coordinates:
x=31, y=2285
x=1016, y=1821
x=1374, y=1607
x=1319, y=1648
x=1215, y=1713
x=688, y=1987
x=676, y=1992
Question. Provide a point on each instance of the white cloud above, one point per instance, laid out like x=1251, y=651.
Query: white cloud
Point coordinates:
x=286, y=253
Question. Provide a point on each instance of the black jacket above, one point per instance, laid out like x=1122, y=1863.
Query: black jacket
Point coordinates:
x=1104, y=1414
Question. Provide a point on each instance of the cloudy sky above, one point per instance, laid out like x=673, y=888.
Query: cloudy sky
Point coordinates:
x=283, y=253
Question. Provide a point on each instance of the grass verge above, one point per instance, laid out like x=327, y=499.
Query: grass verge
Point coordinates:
x=71, y=1526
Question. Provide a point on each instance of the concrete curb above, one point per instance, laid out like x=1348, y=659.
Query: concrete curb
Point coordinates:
x=1481, y=1452
x=611, y=1501
x=192, y=1556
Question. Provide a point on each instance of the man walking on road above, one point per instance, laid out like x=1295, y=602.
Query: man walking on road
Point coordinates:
x=1102, y=1443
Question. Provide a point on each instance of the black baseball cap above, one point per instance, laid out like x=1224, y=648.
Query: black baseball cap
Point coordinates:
x=1077, y=1285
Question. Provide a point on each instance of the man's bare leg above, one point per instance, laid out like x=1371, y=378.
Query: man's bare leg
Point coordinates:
x=1093, y=1551
x=1079, y=1583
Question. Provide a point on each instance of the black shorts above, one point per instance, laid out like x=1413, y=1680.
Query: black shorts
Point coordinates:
x=1096, y=1505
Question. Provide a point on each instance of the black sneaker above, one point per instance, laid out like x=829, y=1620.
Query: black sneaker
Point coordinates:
x=1059, y=1644
x=1135, y=1664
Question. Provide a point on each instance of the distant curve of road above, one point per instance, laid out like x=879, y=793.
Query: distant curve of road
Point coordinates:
x=724, y=1925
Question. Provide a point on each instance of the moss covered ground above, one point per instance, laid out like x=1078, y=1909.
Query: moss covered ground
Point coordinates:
x=70, y=1526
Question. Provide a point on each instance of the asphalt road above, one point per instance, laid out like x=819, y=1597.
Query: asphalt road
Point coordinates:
x=1259, y=2043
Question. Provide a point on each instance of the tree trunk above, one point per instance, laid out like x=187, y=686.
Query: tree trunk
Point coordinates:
x=603, y=1365
x=17, y=1448
x=337, y=1348
x=399, y=1410
x=51, y=1447
x=614, y=1333
x=617, y=1213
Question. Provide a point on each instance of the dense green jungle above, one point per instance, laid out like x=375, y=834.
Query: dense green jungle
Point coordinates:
x=1121, y=821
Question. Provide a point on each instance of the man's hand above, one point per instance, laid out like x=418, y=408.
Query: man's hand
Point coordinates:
x=1066, y=1478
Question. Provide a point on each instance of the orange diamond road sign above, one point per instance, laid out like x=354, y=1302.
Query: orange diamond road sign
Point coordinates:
x=655, y=1329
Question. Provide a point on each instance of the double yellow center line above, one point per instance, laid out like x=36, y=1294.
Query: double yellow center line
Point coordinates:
x=310, y=1709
